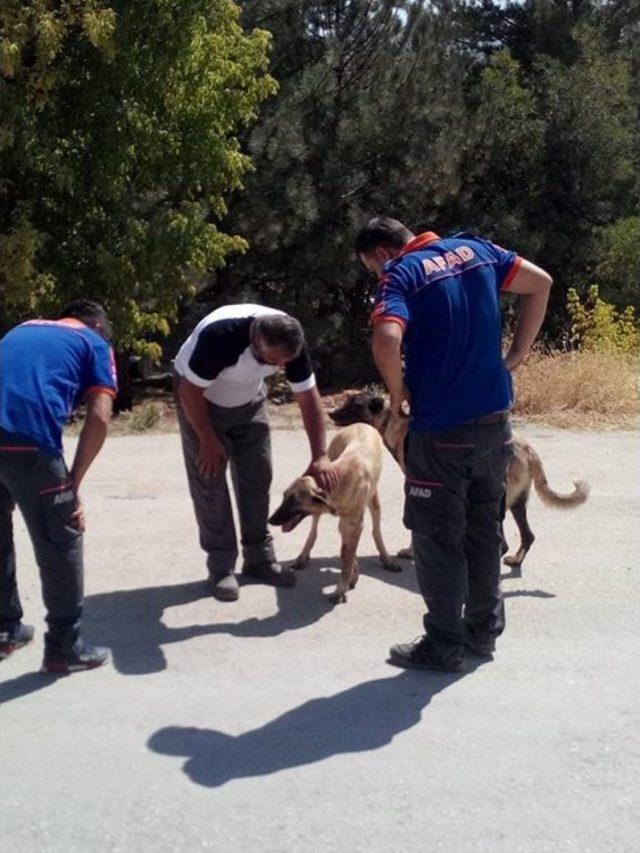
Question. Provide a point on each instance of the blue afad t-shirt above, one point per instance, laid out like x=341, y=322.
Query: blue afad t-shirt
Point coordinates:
x=445, y=293
x=46, y=368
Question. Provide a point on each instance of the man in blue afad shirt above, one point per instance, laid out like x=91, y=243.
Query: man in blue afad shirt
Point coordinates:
x=47, y=367
x=439, y=300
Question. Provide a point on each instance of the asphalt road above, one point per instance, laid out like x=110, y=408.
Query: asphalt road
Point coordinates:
x=275, y=723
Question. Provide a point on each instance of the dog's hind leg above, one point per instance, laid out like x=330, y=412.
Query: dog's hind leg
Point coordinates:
x=302, y=559
x=350, y=530
x=385, y=559
x=519, y=512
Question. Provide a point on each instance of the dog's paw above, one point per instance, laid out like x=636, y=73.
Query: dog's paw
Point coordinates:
x=298, y=564
x=406, y=553
x=337, y=598
x=515, y=565
x=391, y=566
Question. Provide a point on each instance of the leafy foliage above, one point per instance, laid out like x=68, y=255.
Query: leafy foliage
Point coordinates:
x=597, y=326
x=515, y=120
x=118, y=148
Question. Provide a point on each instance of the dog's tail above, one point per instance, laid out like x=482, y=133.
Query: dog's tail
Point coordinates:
x=547, y=495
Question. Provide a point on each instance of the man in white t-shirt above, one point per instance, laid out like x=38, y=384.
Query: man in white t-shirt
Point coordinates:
x=220, y=393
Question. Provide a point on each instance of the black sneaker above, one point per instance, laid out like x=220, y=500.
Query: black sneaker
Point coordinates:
x=225, y=587
x=270, y=573
x=418, y=655
x=15, y=638
x=481, y=645
x=82, y=656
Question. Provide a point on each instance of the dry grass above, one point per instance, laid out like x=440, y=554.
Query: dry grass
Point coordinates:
x=567, y=390
x=580, y=390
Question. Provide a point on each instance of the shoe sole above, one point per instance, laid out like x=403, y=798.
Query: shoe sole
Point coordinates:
x=9, y=648
x=225, y=596
x=407, y=664
x=63, y=668
x=481, y=653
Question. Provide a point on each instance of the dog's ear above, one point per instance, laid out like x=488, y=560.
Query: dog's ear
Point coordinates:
x=321, y=497
x=376, y=405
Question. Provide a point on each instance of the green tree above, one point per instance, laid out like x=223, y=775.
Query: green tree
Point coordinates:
x=617, y=262
x=503, y=171
x=365, y=122
x=118, y=148
x=590, y=167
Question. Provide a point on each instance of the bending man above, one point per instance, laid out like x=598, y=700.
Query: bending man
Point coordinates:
x=46, y=369
x=221, y=396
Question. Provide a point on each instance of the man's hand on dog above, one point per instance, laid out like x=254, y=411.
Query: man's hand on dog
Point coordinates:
x=324, y=473
x=211, y=458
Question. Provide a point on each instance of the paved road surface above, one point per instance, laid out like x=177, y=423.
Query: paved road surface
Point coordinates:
x=274, y=724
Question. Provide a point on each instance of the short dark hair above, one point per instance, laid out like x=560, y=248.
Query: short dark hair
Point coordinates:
x=282, y=331
x=89, y=312
x=382, y=231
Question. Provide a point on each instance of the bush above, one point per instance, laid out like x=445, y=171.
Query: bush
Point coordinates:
x=599, y=327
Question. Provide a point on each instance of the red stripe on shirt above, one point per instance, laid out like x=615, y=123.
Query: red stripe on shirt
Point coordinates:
x=101, y=389
x=376, y=319
x=506, y=284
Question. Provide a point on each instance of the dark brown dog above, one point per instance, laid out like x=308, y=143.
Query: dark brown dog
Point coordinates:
x=525, y=467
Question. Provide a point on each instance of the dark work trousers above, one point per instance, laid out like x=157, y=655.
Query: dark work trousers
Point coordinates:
x=455, y=493
x=244, y=432
x=39, y=483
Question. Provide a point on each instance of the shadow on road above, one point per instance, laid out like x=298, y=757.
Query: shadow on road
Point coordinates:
x=360, y=719
x=25, y=684
x=131, y=621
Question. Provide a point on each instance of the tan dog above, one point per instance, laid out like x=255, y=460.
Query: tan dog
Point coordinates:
x=357, y=452
x=525, y=466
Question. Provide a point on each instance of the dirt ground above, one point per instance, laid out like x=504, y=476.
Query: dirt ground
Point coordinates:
x=276, y=724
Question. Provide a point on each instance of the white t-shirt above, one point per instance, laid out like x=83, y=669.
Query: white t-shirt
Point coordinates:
x=217, y=357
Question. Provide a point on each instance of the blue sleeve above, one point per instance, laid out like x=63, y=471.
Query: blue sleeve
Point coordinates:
x=101, y=370
x=391, y=300
x=506, y=264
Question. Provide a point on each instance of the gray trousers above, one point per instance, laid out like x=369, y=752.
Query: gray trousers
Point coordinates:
x=244, y=432
x=454, y=506
x=39, y=483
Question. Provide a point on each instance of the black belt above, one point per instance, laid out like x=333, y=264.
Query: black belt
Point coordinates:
x=488, y=420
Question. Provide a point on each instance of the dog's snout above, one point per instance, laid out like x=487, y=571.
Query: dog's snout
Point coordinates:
x=287, y=509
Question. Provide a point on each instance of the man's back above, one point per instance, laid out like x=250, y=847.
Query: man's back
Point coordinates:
x=46, y=367
x=446, y=293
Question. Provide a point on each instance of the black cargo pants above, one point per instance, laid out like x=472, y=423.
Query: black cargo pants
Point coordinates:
x=39, y=483
x=454, y=507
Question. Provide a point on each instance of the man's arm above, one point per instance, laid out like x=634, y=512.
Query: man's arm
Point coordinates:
x=386, y=346
x=321, y=468
x=533, y=285
x=211, y=452
x=94, y=432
